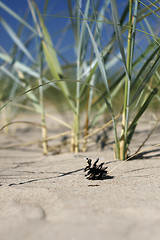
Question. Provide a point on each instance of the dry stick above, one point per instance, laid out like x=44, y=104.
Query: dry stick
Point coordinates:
x=22, y=144
x=72, y=140
x=36, y=141
x=138, y=150
x=66, y=124
x=135, y=154
x=4, y=119
x=145, y=140
x=47, y=114
x=72, y=134
x=99, y=129
x=26, y=122
x=86, y=125
x=60, y=121
x=59, y=135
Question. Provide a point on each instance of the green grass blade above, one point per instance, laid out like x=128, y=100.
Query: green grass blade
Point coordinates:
x=70, y=9
x=52, y=60
x=147, y=78
x=149, y=8
x=81, y=28
x=14, y=49
x=99, y=61
x=13, y=14
x=118, y=30
x=23, y=68
x=143, y=69
x=124, y=14
x=127, y=67
x=28, y=92
x=104, y=77
x=48, y=43
x=41, y=101
x=17, y=40
x=23, y=93
x=91, y=69
x=11, y=75
x=62, y=85
x=5, y=57
x=88, y=79
x=45, y=6
x=98, y=55
x=144, y=106
x=82, y=37
x=133, y=33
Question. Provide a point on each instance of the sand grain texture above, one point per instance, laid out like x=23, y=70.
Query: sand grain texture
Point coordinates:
x=48, y=197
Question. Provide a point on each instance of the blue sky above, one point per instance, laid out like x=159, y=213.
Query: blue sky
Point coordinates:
x=20, y=7
x=54, y=24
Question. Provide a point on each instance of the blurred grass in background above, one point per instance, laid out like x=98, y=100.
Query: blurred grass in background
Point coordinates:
x=105, y=62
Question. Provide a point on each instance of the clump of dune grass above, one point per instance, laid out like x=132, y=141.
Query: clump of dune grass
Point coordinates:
x=107, y=70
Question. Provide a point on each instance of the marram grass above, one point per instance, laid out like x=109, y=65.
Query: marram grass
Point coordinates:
x=119, y=66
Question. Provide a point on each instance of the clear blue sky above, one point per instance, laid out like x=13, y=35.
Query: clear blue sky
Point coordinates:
x=54, y=24
x=58, y=7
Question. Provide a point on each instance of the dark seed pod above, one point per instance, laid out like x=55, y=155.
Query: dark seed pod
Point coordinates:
x=95, y=171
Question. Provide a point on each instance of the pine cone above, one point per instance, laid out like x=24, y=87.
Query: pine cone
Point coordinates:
x=94, y=171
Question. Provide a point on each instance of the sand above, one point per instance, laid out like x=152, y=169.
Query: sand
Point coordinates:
x=48, y=197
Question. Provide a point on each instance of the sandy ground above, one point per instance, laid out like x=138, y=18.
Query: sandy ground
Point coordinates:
x=48, y=197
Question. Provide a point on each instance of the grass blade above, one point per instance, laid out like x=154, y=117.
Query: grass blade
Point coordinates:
x=41, y=100
x=104, y=77
x=127, y=67
x=118, y=30
x=99, y=59
x=147, y=78
x=144, y=106
x=52, y=60
x=13, y=14
x=11, y=75
x=14, y=37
